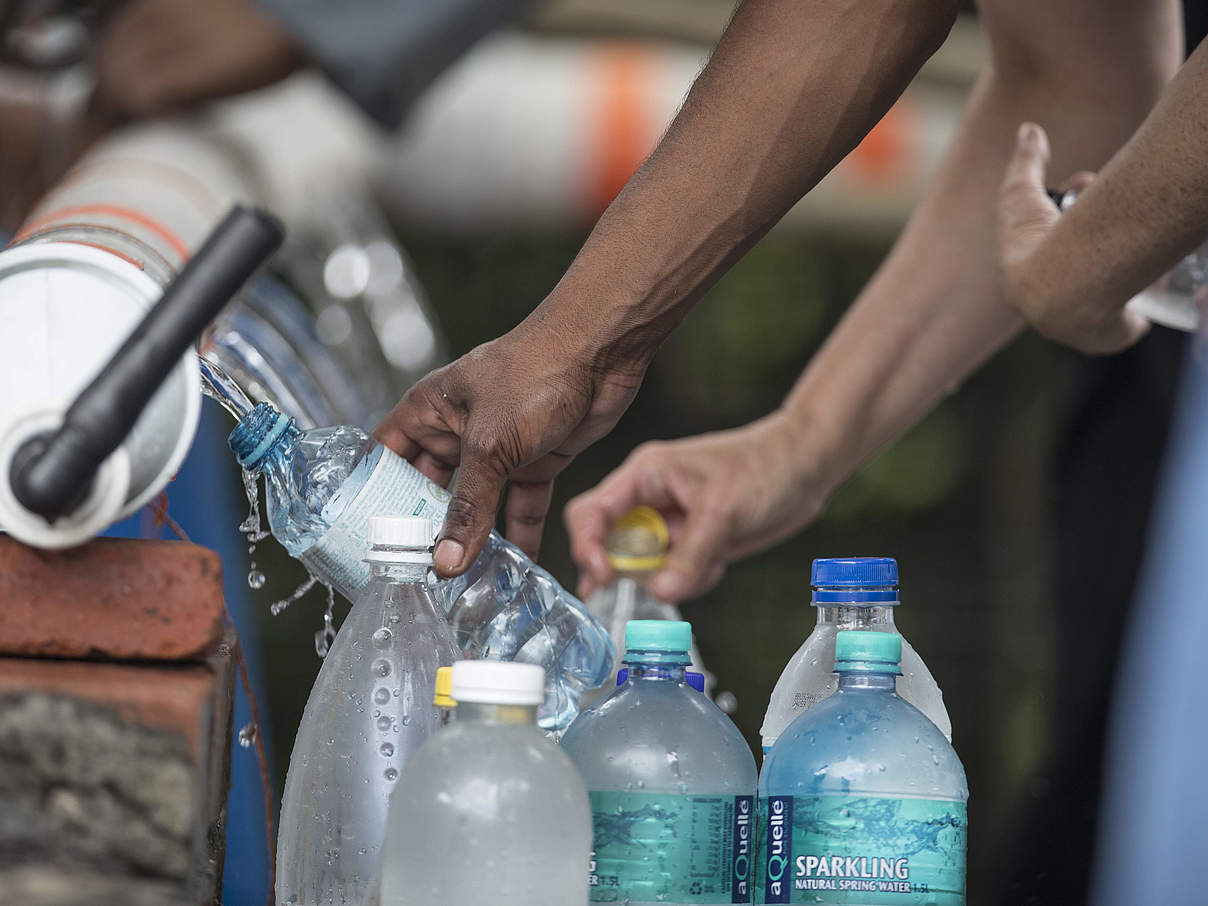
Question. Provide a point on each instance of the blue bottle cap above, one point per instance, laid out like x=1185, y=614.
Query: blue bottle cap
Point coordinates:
x=256, y=434
x=658, y=635
x=854, y=580
x=860, y=651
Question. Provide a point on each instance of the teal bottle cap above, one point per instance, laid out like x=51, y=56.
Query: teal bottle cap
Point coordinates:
x=870, y=652
x=658, y=635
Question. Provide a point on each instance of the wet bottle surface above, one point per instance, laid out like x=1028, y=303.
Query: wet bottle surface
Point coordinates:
x=322, y=487
x=369, y=711
x=862, y=799
x=671, y=782
x=489, y=811
x=849, y=593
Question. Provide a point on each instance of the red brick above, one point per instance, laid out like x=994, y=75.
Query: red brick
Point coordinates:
x=111, y=598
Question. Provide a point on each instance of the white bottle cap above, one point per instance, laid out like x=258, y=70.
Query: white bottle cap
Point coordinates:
x=401, y=531
x=498, y=683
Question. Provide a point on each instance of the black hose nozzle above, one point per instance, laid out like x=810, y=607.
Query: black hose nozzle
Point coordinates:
x=51, y=474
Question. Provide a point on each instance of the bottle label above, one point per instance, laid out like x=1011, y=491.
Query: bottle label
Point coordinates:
x=667, y=848
x=875, y=851
x=395, y=488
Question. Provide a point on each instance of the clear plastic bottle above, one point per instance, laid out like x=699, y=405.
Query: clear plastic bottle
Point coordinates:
x=368, y=712
x=862, y=799
x=849, y=593
x=637, y=547
x=323, y=486
x=489, y=812
x=671, y=782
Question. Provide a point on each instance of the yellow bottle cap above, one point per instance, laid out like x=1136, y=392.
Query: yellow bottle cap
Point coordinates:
x=637, y=542
x=444, y=686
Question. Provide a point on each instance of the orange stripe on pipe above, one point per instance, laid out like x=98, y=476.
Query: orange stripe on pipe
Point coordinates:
x=623, y=133
x=106, y=210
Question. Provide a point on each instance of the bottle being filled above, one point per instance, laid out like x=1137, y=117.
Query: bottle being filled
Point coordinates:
x=671, y=782
x=862, y=799
x=322, y=487
x=637, y=548
x=849, y=593
x=368, y=712
x=489, y=811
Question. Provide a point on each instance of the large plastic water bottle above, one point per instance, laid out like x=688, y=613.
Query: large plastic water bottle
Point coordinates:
x=637, y=548
x=489, y=811
x=324, y=485
x=671, y=782
x=862, y=799
x=369, y=710
x=849, y=593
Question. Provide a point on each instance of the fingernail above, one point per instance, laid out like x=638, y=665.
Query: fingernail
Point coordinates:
x=1027, y=133
x=448, y=555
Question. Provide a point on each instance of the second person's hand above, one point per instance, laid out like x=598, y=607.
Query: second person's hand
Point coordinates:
x=724, y=495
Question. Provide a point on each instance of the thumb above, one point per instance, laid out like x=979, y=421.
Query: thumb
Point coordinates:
x=470, y=517
x=1025, y=211
x=693, y=558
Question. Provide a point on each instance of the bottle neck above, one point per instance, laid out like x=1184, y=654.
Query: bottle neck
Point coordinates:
x=399, y=572
x=657, y=666
x=856, y=616
x=483, y=713
x=276, y=458
x=879, y=682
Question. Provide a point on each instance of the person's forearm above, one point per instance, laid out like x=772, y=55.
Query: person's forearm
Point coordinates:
x=789, y=90
x=934, y=311
x=1146, y=210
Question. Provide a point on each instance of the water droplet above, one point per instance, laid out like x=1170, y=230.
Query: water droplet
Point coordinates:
x=247, y=734
x=277, y=606
x=384, y=723
x=392, y=775
x=382, y=638
x=363, y=850
x=406, y=720
x=255, y=579
x=381, y=667
x=381, y=695
x=387, y=749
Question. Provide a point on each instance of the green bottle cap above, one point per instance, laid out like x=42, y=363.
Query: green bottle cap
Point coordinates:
x=658, y=635
x=868, y=652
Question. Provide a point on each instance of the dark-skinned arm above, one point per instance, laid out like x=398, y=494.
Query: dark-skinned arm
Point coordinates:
x=790, y=89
